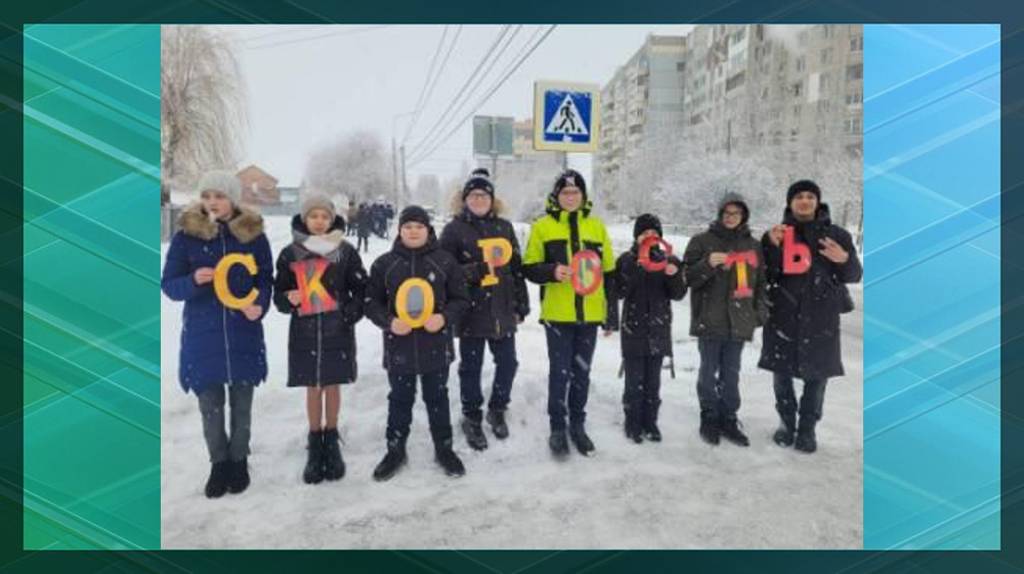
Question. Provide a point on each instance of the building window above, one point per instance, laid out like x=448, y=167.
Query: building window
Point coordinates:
x=680, y=66
x=826, y=31
x=764, y=93
x=801, y=63
x=857, y=44
x=853, y=125
x=826, y=56
x=824, y=82
x=796, y=110
x=853, y=98
x=854, y=72
x=824, y=105
x=798, y=89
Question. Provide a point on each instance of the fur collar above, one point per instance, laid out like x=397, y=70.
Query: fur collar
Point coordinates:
x=245, y=225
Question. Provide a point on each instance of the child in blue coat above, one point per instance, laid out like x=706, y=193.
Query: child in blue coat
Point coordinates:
x=222, y=348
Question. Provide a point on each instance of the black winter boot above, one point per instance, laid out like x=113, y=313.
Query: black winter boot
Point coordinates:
x=651, y=430
x=238, y=479
x=334, y=465
x=709, y=430
x=730, y=430
x=314, y=471
x=787, y=429
x=497, y=421
x=217, y=484
x=559, y=443
x=475, y=436
x=634, y=432
x=806, y=441
x=579, y=437
x=392, y=461
x=449, y=461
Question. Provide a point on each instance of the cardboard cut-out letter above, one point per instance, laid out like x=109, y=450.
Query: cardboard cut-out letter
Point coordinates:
x=796, y=257
x=414, y=301
x=308, y=276
x=741, y=259
x=220, y=280
x=586, y=272
x=497, y=253
x=644, y=256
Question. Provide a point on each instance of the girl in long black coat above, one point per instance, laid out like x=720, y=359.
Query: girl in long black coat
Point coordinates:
x=423, y=352
x=646, y=328
x=321, y=346
x=495, y=310
x=801, y=338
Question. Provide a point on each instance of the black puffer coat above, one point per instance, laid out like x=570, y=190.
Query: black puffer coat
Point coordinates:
x=494, y=310
x=801, y=338
x=647, y=297
x=322, y=347
x=420, y=351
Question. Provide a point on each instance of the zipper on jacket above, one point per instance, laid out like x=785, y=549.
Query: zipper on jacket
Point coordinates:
x=227, y=345
x=415, y=340
x=319, y=347
x=575, y=246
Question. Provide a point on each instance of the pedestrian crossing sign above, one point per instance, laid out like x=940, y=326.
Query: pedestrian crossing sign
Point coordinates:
x=566, y=116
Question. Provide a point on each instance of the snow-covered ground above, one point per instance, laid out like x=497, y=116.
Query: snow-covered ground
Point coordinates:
x=680, y=493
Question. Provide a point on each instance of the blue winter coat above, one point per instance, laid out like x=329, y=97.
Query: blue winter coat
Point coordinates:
x=218, y=345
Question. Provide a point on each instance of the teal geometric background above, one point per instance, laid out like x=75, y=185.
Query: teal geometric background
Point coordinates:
x=91, y=287
x=931, y=287
x=91, y=292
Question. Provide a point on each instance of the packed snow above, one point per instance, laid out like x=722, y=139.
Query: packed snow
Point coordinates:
x=680, y=493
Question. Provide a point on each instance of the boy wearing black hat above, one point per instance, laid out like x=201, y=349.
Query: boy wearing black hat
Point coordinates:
x=726, y=273
x=498, y=302
x=801, y=339
x=646, y=325
x=417, y=295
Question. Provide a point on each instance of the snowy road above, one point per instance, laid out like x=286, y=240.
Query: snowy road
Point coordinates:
x=680, y=493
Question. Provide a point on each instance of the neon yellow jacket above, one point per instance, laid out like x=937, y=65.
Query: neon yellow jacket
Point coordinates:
x=554, y=239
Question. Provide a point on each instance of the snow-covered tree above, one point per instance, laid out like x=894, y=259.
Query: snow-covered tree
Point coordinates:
x=202, y=105
x=354, y=166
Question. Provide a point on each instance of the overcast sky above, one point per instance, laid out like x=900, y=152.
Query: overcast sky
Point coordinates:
x=308, y=84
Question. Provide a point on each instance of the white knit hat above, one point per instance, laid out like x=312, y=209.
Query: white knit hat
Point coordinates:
x=318, y=201
x=222, y=181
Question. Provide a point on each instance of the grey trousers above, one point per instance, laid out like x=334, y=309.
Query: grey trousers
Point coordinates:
x=211, y=407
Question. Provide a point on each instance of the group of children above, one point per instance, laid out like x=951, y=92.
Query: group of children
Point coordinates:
x=471, y=284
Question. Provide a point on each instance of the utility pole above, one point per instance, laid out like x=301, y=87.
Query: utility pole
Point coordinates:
x=395, y=189
x=394, y=166
x=405, y=186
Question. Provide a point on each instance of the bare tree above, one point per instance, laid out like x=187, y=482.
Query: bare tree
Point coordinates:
x=354, y=166
x=202, y=104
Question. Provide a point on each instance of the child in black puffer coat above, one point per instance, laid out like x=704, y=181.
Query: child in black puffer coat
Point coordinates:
x=321, y=283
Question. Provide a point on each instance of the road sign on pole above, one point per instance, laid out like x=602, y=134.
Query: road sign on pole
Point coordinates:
x=566, y=116
x=493, y=135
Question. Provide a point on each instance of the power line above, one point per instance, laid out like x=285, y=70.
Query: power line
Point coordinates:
x=432, y=146
x=428, y=83
x=346, y=31
x=461, y=92
x=487, y=96
x=464, y=95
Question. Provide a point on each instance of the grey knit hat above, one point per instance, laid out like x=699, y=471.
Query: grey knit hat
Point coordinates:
x=222, y=181
x=318, y=201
